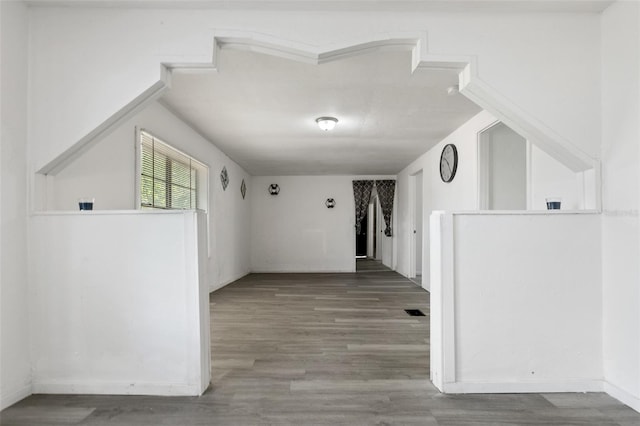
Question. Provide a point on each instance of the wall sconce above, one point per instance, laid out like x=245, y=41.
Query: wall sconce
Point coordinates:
x=330, y=203
x=274, y=189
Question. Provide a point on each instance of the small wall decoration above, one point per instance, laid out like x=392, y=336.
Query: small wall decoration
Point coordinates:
x=243, y=189
x=274, y=189
x=330, y=203
x=224, y=178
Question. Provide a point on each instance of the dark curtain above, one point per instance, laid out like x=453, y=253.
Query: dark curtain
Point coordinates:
x=386, y=190
x=361, y=195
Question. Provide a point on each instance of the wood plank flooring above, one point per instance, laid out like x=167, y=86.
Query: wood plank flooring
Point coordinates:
x=321, y=349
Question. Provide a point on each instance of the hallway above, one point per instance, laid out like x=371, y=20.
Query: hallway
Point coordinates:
x=308, y=349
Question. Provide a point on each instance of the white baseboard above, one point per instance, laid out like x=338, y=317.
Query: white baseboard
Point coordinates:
x=9, y=398
x=546, y=387
x=115, y=388
x=218, y=286
x=525, y=387
x=622, y=396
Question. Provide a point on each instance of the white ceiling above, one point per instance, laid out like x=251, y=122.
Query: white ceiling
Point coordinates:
x=579, y=6
x=261, y=110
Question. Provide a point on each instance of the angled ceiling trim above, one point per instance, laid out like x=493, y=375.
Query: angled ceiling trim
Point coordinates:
x=414, y=42
x=522, y=122
x=90, y=139
x=470, y=85
x=241, y=40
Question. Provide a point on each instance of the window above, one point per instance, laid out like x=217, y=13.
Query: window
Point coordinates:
x=169, y=179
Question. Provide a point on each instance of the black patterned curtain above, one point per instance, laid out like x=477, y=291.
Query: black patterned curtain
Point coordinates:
x=386, y=190
x=361, y=195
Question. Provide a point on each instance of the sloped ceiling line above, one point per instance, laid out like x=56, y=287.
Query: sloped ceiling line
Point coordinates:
x=470, y=85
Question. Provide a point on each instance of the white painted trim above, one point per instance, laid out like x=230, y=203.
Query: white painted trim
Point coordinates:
x=108, y=212
x=529, y=172
x=88, y=141
x=523, y=212
x=11, y=397
x=214, y=287
x=484, y=166
x=622, y=396
x=442, y=322
x=414, y=42
x=138, y=168
x=523, y=123
x=115, y=388
x=524, y=387
x=412, y=227
x=448, y=299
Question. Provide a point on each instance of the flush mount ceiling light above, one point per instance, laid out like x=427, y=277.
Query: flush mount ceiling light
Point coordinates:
x=326, y=123
x=453, y=90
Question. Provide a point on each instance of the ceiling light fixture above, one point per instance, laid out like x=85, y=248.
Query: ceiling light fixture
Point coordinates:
x=326, y=123
x=453, y=90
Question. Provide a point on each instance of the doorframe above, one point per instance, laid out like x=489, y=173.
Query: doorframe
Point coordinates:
x=484, y=166
x=414, y=220
x=379, y=228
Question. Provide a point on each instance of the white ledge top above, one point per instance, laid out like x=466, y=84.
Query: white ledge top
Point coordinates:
x=110, y=212
x=517, y=212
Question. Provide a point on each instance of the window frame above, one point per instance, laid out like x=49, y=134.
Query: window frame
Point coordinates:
x=202, y=188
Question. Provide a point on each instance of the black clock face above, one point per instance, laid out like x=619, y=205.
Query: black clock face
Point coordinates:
x=448, y=162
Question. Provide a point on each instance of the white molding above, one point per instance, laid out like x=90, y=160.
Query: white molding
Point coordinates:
x=11, y=397
x=442, y=322
x=83, y=145
x=529, y=178
x=545, y=387
x=287, y=49
x=411, y=273
x=115, y=388
x=448, y=299
x=524, y=387
x=484, y=166
x=214, y=287
x=472, y=86
x=622, y=396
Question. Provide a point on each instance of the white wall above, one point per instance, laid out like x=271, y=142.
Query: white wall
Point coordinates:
x=524, y=312
x=15, y=365
x=295, y=232
x=507, y=168
x=118, y=307
x=459, y=194
x=621, y=191
x=114, y=55
x=549, y=178
x=107, y=172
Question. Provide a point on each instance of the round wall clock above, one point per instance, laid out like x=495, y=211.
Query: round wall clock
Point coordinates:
x=448, y=162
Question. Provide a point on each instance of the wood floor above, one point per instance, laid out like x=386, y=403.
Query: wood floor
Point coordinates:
x=321, y=349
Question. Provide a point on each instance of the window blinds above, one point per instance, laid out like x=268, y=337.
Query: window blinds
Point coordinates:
x=169, y=178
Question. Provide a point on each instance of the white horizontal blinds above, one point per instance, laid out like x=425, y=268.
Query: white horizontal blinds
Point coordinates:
x=169, y=178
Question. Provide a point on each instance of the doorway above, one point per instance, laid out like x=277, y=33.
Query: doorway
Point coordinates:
x=502, y=169
x=372, y=229
x=361, y=238
x=417, y=229
x=369, y=245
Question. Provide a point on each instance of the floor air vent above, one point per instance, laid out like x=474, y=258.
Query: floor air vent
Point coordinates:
x=414, y=312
